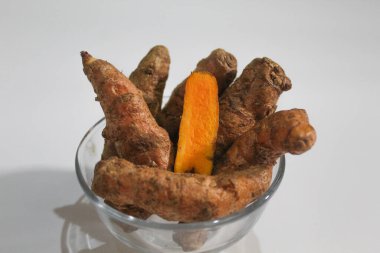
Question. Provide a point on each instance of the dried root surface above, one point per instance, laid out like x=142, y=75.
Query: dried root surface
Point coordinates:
x=150, y=77
x=283, y=132
x=252, y=97
x=129, y=124
x=179, y=196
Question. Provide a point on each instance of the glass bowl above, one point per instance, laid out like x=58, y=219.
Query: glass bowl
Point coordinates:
x=156, y=234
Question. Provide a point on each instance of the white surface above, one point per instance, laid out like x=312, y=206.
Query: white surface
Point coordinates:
x=328, y=201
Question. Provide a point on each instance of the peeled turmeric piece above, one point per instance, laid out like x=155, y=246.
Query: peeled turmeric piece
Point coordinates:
x=150, y=77
x=221, y=64
x=283, y=132
x=129, y=124
x=199, y=125
x=185, y=197
x=252, y=97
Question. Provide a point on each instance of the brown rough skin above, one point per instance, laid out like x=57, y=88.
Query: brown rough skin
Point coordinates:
x=108, y=149
x=179, y=196
x=283, y=132
x=252, y=97
x=131, y=132
x=129, y=123
x=221, y=64
x=130, y=210
x=150, y=77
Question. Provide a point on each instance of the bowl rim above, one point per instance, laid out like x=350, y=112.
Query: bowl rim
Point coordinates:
x=99, y=203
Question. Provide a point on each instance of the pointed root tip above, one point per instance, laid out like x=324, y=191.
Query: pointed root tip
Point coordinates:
x=85, y=54
x=86, y=57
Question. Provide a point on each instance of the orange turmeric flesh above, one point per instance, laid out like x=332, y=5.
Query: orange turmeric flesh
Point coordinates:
x=199, y=125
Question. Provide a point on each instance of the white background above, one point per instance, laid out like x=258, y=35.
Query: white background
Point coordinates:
x=329, y=199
